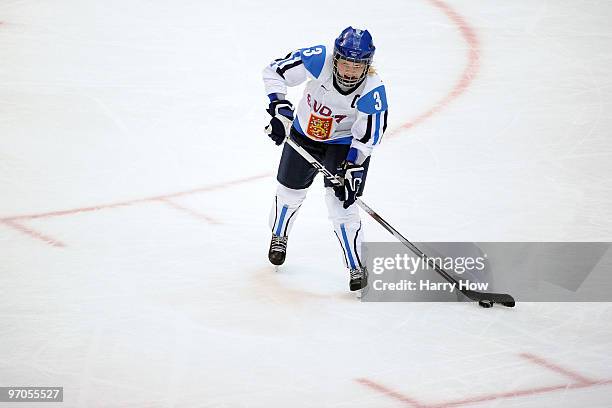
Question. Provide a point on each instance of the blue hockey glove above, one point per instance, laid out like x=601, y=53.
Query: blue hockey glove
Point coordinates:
x=352, y=176
x=281, y=111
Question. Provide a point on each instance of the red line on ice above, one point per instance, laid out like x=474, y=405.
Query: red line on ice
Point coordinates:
x=481, y=398
x=583, y=382
x=513, y=394
x=387, y=391
x=212, y=187
x=189, y=211
x=33, y=233
x=560, y=370
x=470, y=71
x=11, y=221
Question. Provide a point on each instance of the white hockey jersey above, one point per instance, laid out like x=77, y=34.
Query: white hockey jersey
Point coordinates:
x=325, y=113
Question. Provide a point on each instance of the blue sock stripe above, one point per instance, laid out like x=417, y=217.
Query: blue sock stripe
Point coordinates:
x=279, y=227
x=347, y=246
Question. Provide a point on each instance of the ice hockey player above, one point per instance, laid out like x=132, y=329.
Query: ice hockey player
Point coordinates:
x=341, y=117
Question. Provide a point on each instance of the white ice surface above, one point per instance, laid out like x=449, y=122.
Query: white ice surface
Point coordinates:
x=152, y=306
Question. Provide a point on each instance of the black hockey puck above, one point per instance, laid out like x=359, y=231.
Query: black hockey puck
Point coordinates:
x=485, y=303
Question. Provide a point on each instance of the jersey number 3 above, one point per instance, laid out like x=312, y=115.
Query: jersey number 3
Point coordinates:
x=312, y=51
x=378, y=104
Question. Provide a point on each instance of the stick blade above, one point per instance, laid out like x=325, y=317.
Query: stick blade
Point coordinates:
x=499, y=298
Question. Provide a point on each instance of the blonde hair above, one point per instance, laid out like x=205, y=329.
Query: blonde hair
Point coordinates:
x=371, y=70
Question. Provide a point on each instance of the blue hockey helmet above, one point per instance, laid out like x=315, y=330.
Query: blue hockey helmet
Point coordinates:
x=356, y=47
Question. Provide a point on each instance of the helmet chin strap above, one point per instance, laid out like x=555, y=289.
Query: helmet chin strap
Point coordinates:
x=345, y=89
x=342, y=86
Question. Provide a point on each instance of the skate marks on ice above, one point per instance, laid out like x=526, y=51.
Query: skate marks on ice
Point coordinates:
x=273, y=300
x=288, y=285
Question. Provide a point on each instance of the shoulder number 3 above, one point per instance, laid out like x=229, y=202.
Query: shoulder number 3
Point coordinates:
x=378, y=104
x=312, y=51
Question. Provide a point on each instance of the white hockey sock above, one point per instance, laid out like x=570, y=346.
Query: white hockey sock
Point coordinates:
x=286, y=204
x=347, y=227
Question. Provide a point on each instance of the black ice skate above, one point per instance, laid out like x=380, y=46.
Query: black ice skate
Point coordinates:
x=278, y=250
x=359, y=278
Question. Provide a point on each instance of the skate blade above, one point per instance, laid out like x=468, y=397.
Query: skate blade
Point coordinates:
x=361, y=293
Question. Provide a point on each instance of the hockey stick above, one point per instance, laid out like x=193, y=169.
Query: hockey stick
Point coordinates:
x=484, y=299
